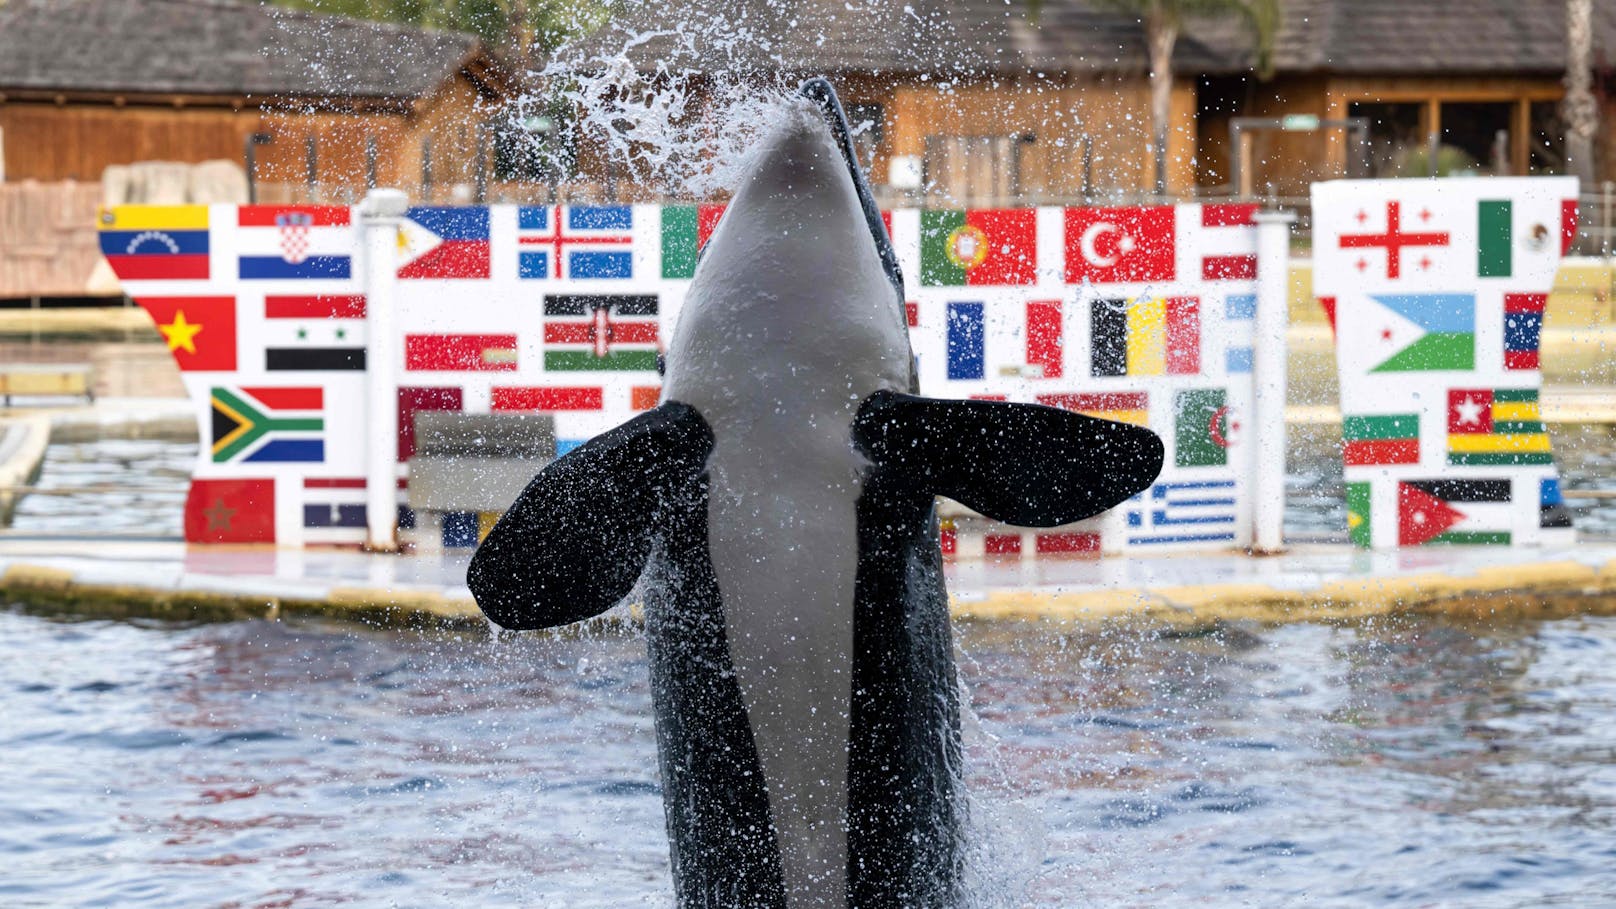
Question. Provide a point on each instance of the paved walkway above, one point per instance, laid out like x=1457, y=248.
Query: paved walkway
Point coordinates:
x=171, y=580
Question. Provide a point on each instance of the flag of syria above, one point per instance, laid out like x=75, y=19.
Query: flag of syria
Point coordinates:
x=1119, y=245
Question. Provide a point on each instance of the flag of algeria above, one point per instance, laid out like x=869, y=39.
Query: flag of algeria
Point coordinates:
x=1417, y=332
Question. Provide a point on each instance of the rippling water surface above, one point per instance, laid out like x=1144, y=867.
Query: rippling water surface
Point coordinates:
x=1398, y=763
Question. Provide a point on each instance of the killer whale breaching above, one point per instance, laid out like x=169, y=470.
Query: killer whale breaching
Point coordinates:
x=777, y=513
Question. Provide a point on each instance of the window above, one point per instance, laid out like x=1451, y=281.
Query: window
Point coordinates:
x=974, y=171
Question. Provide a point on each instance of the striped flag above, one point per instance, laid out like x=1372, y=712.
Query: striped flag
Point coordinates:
x=967, y=356
x=313, y=332
x=1045, y=338
x=1523, y=329
x=1496, y=427
x=333, y=503
x=460, y=353
x=294, y=242
x=1200, y=511
x=1147, y=336
x=1228, y=242
x=685, y=229
x=973, y=247
x=156, y=242
x=1122, y=406
x=548, y=398
x=1461, y=512
x=1240, y=317
x=1381, y=439
x=261, y=424
x=600, y=332
x=581, y=242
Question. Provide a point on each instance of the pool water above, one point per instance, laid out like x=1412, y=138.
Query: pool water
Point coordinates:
x=1400, y=762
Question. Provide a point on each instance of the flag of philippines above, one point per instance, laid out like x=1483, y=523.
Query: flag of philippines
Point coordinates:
x=444, y=242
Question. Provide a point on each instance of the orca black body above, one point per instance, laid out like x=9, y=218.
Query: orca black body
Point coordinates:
x=801, y=656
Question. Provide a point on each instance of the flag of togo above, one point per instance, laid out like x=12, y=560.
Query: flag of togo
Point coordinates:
x=974, y=247
x=600, y=331
x=1496, y=427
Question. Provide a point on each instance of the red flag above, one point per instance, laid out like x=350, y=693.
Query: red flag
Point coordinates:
x=1044, y=337
x=456, y=353
x=200, y=331
x=230, y=511
x=1114, y=245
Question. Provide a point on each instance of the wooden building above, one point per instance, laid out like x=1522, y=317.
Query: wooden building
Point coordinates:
x=995, y=104
x=987, y=106
x=324, y=105
x=1481, y=79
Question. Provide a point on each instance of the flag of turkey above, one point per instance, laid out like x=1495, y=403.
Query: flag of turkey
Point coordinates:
x=1118, y=245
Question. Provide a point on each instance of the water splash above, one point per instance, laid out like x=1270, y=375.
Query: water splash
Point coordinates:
x=659, y=108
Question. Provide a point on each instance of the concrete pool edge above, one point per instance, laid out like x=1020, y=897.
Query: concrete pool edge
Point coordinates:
x=1529, y=590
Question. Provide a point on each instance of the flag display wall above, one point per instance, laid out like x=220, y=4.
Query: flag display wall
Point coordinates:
x=1136, y=314
x=1435, y=290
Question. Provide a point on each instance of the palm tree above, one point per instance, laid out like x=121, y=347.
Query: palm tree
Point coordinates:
x=1163, y=21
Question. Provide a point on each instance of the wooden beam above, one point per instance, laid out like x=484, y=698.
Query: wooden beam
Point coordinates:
x=1520, y=138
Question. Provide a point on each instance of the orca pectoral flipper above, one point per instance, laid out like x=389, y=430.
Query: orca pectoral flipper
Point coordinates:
x=1023, y=464
x=578, y=537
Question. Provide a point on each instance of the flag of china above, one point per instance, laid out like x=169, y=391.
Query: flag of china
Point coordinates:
x=230, y=511
x=978, y=246
x=1117, y=245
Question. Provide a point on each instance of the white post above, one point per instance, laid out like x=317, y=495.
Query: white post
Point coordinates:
x=380, y=215
x=1269, y=360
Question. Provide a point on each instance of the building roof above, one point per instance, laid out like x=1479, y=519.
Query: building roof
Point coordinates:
x=218, y=47
x=1078, y=36
x=1434, y=36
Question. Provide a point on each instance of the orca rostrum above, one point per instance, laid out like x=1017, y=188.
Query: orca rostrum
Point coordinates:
x=777, y=511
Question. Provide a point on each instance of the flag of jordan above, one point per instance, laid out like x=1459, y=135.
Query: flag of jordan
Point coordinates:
x=1415, y=332
x=1468, y=512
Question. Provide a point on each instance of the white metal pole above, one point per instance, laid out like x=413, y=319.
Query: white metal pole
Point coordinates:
x=380, y=215
x=1267, y=464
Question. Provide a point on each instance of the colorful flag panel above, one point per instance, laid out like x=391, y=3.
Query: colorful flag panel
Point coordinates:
x=286, y=315
x=1436, y=294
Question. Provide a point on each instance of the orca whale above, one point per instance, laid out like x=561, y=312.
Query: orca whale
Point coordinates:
x=777, y=513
